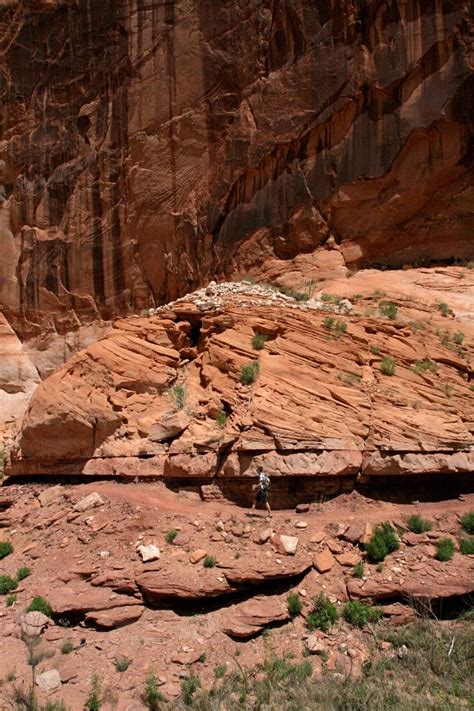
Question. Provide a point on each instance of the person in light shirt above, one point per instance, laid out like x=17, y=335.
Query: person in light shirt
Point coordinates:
x=262, y=490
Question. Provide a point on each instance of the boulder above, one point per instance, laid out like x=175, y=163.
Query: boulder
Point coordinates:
x=348, y=559
x=89, y=502
x=149, y=552
x=248, y=618
x=197, y=555
x=48, y=681
x=115, y=616
x=323, y=561
x=33, y=623
x=286, y=545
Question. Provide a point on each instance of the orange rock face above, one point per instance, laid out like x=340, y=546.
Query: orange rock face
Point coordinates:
x=167, y=396
x=147, y=149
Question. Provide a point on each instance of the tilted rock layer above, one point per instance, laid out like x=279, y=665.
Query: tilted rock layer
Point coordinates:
x=163, y=395
x=147, y=147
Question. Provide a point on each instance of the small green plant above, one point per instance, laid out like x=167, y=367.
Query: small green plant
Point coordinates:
x=7, y=584
x=387, y=365
x=448, y=389
x=340, y=327
x=40, y=604
x=289, y=291
x=258, y=341
x=10, y=600
x=388, y=309
x=6, y=548
x=67, y=647
x=329, y=322
x=122, y=664
x=466, y=546
x=324, y=614
x=359, y=614
x=379, y=294
x=375, y=350
x=422, y=366
x=444, y=308
x=94, y=701
x=221, y=418
x=188, y=689
x=458, y=338
x=467, y=522
x=171, y=535
x=444, y=549
x=417, y=524
x=22, y=573
x=379, y=567
x=152, y=696
x=220, y=671
x=383, y=541
x=209, y=561
x=295, y=604
x=178, y=393
x=358, y=570
x=249, y=372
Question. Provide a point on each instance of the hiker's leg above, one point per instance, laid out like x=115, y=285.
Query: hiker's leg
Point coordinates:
x=268, y=508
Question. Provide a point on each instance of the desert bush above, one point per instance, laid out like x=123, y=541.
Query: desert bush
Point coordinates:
x=249, y=372
x=444, y=549
x=359, y=614
x=466, y=546
x=258, y=341
x=444, y=308
x=171, y=535
x=40, y=604
x=67, y=647
x=375, y=350
x=94, y=698
x=6, y=548
x=467, y=522
x=324, y=614
x=387, y=365
x=340, y=327
x=422, y=366
x=122, y=664
x=221, y=418
x=289, y=291
x=22, y=573
x=329, y=322
x=417, y=524
x=219, y=671
x=178, y=393
x=10, y=599
x=188, y=688
x=152, y=696
x=7, y=584
x=458, y=338
x=382, y=542
x=358, y=570
x=388, y=309
x=295, y=604
x=209, y=561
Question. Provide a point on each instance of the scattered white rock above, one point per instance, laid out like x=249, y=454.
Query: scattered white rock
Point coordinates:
x=290, y=544
x=149, y=552
x=48, y=681
x=89, y=502
x=33, y=623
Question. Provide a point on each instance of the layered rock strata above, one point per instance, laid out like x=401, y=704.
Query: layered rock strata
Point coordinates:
x=170, y=395
x=145, y=148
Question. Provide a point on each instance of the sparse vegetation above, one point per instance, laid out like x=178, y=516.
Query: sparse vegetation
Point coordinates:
x=22, y=573
x=209, y=561
x=466, y=546
x=7, y=584
x=295, y=604
x=188, y=688
x=178, y=393
x=422, y=366
x=220, y=671
x=67, y=647
x=358, y=570
x=122, y=664
x=417, y=524
x=324, y=614
x=249, y=372
x=467, y=522
x=458, y=338
x=444, y=549
x=383, y=541
x=333, y=324
x=94, y=701
x=40, y=604
x=258, y=341
x=10, y=599
x=387, y=365
x=375, y=350
x=329, y=322
x=448, y=389
x=359, y=614
x=152, y=696
x=221, y=418
x=388, y=309
x=171, y=535
x=6, y=548
x=443, y=308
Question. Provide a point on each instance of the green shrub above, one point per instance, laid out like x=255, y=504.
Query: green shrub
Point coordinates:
x=220, y=671
x=466, y=546
x=258, y=341
x=444, y=309
x=188, y=688
x=22, y=573
x=39, y=604
x=221, y=418
x=359, y=614
x=295, y=604
x=5, y=549
x=383, y=541
x=67, y=647
x=375, y=350
x=324, y=614
x=249, y=372
x=152, y=697
x=289, y=291
x=417, y=524
x=358, y=570
x=7, y=584
x=458, y=338
x=467, y=522
x=209, y=561
x=422, y=366
x=10, y=600
x=94, y=701
x=171, y=535
x=387, y=365
x=340, y=327
x=329, y=322
x=388, y=309
x=178, y=393
x=122, y=664
x=444, y=549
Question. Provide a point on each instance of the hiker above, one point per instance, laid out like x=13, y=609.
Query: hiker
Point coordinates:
x=262, y=490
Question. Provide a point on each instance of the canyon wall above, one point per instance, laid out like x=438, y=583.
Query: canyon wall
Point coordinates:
x=148, y=147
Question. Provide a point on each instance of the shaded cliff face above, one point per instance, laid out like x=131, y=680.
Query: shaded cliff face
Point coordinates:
x=146, y=147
